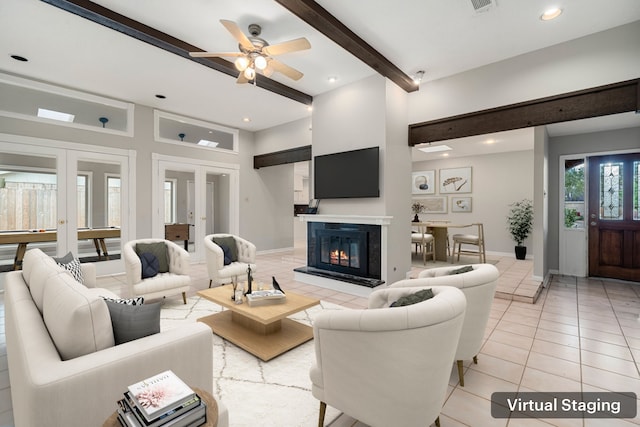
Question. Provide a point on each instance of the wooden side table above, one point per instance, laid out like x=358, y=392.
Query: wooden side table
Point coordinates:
x=212, y=411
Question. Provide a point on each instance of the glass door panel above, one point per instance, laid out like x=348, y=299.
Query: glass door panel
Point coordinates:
x=179, y=207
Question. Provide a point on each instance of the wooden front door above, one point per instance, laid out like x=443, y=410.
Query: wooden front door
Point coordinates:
x=614, y=216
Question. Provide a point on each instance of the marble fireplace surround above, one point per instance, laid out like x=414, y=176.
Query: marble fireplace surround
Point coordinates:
x=342, y=286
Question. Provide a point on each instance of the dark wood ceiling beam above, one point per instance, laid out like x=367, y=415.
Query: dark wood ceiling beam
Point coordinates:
x=614, y=98
x=110, y=19
x=293, y=155
x=320, y=19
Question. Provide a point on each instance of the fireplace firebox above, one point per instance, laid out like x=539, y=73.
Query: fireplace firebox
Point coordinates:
x=346, y=252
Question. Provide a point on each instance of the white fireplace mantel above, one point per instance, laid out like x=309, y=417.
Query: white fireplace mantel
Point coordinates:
x=348, y=219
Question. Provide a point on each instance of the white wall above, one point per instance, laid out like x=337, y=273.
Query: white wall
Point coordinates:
x=497, y=181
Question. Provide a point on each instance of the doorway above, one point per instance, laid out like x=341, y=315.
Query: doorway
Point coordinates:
x=614, y=216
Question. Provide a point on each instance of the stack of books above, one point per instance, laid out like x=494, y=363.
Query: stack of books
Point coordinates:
x=272, y=296
x=161, y=401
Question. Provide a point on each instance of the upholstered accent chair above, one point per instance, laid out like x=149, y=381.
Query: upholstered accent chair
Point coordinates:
x=388, y=366
x=476, y=240
x=171, y=280
x=239, y=253
x=479, y=287
x=424, y=242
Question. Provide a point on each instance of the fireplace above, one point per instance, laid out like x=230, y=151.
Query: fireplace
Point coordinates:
x=345, y=252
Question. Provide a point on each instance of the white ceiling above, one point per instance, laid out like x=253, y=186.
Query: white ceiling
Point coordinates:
x=441, y=37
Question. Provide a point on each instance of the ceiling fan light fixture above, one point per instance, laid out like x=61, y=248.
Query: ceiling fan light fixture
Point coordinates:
x=268, y=71
x=250, y=73
x=260, y=62
x=241, y=63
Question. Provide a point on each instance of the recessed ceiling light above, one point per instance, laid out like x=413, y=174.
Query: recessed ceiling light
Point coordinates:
x=445, y=154
x=332, y=79
x=490, y=141
x=550, y=14
x=434, y=148
x=160, y=96
x=309, y=108
x=19, y=58
x=55, y=115
x=246, y=119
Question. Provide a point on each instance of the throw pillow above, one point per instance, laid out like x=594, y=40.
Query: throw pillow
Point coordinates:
x=150, y=265
x=227, y=254
x=421, y=295
x=159, y=249
x=131, y=322
x=230, y=243
x=130, y=301
x=72, y=265
x=465, y=269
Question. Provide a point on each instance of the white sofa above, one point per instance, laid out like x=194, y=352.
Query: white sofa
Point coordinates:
x=388, y=366
x=219, y=274
x=50, y=318
x=479, y=288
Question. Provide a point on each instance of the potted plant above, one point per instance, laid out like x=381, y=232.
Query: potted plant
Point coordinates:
x=520, y=223
x=417, y=208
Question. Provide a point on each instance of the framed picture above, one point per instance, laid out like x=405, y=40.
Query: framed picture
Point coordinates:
x=433, y=204
x=423, y=182
x=460, y=204
x=455, y=181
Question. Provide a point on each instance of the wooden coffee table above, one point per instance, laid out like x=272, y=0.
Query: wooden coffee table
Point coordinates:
x=263, y=331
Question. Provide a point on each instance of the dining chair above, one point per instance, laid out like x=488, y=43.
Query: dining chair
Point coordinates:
x=425, y=242
x=471, y=240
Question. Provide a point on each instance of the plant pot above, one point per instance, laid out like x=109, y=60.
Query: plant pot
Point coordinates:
x=415, y=218
x=521, y=252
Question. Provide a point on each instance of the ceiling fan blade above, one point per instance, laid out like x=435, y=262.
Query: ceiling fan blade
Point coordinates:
x=241, y=78
x=288, y=71
x=214, y=54
x=286, y=47
x=236, y=32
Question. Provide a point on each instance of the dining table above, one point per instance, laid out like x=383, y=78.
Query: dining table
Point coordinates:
x=440, y=232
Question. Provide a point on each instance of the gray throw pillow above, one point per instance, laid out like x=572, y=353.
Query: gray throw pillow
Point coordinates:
x=131, y=322
x=230, y=243
x=159, y=249
x=465, y=269
x=419, y=296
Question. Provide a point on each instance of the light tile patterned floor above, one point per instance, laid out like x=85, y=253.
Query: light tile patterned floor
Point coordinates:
x=580, y=335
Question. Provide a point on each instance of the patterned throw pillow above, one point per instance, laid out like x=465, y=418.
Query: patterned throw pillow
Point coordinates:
x=72, y=265
x=150, y=264
x=130, y=301
x=159, y=249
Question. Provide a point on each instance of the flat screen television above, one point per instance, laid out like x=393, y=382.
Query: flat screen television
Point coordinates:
x=348, y=174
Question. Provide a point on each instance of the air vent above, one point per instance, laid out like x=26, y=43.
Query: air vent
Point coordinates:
x=483, y=5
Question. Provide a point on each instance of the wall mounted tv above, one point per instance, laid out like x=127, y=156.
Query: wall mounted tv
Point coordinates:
x=348, y=174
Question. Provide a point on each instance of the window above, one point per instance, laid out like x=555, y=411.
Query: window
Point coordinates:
x=170, y=201
x=27, y=200
x=113, y=201
x=574, y=201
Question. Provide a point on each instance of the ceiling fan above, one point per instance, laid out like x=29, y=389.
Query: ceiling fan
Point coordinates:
x=256, y=54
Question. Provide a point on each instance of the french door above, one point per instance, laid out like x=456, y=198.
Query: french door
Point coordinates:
x=614, y=216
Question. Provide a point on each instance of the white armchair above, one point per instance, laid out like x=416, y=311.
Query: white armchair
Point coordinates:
x=219, y=273
x=175, y=281
x=388, y=366
x=479, y=287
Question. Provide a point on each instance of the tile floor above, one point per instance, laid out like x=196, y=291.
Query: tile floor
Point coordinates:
x=579, y=335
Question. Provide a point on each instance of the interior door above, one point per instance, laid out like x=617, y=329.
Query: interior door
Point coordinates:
x=614, y=216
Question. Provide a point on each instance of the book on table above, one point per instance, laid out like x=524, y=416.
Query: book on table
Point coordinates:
x=160, y=394
x=192, y=414
x=272, y=296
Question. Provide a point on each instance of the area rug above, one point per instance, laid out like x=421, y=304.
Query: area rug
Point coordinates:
x=276, y=393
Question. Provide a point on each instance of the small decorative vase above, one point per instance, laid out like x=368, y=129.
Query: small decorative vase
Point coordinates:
x=415, y=218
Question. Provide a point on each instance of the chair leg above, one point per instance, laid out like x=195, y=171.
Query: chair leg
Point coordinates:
x=460, y=373
x=438, y=422
x=475, y=359
x=323, y=409
x=210, y=281
x=184, y=297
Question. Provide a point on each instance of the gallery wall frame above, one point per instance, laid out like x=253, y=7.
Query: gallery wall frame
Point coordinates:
x=433, y=204
x=461, y=204
x=455, y=180
x=423, y=182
